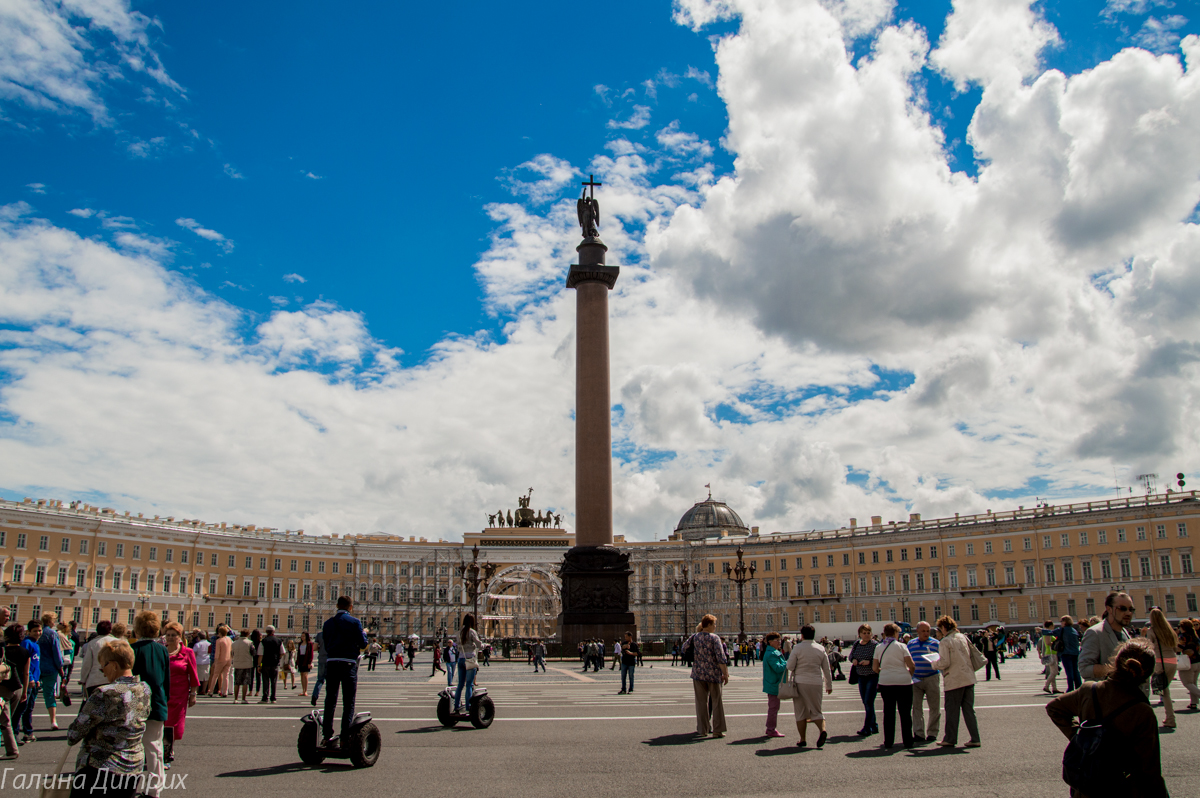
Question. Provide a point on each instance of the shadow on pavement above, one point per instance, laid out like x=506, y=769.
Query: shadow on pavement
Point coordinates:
x=749, y=740
x=422, y=730
x=790, y=749
x=291, y=767
x=871, y=753
x=685, y=738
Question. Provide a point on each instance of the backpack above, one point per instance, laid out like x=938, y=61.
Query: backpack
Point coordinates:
x=1060, y=642
x=1092, y=762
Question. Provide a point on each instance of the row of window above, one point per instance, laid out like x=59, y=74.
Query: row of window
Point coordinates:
x=152, y=554
x=889, y=555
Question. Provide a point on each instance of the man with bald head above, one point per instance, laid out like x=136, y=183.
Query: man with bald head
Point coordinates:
x=927, y=686
x=5, y=616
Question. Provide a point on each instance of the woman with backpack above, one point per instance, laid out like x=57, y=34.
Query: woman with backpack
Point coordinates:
x=1128, y=753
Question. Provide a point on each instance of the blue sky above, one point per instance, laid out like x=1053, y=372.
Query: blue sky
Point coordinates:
x=357, y=223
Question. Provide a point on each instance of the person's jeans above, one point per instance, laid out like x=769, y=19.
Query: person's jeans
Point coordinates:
x=320, y=681
x=897, y=698
x=343, y=676
x=772, y=712
x=26, y=711
x=991, y=665
x=451, y=669
x=257, y=679
x=269, y=677
x=539, y=661
x=466, y=678
x=1070, y=663
x=961, y=698
x=626, y=669
x=371, y=662
x=867, y=687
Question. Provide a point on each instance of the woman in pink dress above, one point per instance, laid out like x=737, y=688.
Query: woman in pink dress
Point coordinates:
x=184, y=682
x=222, y=659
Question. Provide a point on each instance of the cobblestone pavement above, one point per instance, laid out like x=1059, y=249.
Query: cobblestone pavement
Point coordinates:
x=563, y=730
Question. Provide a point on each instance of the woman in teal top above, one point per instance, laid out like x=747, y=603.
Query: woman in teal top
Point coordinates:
x=773, y=667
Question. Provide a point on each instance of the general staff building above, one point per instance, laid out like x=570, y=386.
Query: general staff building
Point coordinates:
x=1016, y=567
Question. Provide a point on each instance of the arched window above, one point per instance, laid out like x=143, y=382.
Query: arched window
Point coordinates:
x=377, y=593
x=403, y=593
x=391, y=595
x=362, y=592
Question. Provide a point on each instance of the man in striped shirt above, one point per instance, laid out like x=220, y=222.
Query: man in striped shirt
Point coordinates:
x=927, y=685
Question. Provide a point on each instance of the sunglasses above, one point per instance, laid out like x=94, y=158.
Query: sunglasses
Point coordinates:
x=1126, y=608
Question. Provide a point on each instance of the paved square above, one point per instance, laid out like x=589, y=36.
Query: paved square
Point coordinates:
x=569, y=733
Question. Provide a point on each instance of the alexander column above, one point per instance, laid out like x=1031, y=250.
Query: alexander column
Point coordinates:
x=595, y=574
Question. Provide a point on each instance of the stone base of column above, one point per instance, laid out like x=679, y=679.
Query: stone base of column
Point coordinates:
x=595, y=596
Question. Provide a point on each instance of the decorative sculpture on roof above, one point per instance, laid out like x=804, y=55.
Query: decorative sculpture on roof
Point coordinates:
x=523, y=516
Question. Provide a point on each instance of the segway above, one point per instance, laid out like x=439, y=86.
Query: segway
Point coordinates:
x=361, y=744
x=480, y=709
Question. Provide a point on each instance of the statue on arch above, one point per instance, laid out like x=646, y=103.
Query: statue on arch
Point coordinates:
x=491, y=520
x=510, y=520
x=558, y=520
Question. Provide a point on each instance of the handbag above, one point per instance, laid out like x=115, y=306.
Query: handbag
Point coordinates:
x=1183, y=662
x=787, y=687
x=471, y=663
x=977, y=658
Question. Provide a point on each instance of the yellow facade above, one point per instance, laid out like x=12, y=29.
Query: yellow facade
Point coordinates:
x=1016, y=567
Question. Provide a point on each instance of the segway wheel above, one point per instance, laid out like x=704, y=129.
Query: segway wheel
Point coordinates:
x=307, y=744
x=364, y=746
x=483, y=712
x=445, y=717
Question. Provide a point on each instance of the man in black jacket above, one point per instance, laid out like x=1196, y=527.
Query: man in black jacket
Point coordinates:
x=344, y=639
x=270, y=651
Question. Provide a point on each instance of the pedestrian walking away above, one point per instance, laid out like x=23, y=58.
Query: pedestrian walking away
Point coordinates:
x=152, y=666
x=1164, y=642
x=808, y=664
x=1130, y=733
x=895, y=666
x=270, y=654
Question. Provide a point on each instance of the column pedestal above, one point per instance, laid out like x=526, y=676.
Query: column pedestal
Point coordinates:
x=595, y=596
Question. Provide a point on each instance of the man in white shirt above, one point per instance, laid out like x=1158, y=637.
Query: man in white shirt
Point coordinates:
x=616, y=655
x=90, y=675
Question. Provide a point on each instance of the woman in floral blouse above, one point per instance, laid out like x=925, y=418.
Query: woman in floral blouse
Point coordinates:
x=110, y=726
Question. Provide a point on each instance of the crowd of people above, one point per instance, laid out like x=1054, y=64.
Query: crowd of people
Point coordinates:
x=139, y=682
x=935, y=670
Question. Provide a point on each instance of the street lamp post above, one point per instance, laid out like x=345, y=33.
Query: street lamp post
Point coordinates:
x=143, y=598
x=685, y=587
x=740, y=574
x=308, y=608
x=473, y=575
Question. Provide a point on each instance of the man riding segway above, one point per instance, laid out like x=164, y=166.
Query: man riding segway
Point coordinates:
x=344, y=639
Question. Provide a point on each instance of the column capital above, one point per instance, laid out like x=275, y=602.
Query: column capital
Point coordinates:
x=597, y=273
